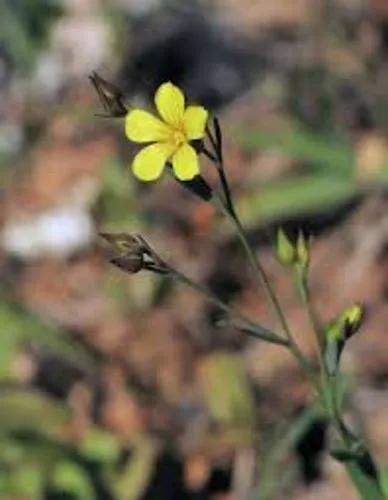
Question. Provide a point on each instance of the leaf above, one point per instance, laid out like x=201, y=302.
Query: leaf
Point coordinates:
x=100, y=446
x=22, y=481
x=20, y=327
x=343, y=455
x=133, y=478
x=256, y=331
x=325, y=154
x=25, y=410
x=274, y=454
x=362, y=470
x=367, y=486
x=70, y=478
x=227, y=392
x=298, y=195
x=333, y=350
x=199, y=187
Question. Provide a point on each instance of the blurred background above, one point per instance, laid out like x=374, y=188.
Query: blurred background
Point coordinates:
x=117, y=387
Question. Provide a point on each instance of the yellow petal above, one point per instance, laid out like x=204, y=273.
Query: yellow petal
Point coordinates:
x=149, y=162
x=170, y=103
x=195, y=119
x=141, y=126
x=185, y=163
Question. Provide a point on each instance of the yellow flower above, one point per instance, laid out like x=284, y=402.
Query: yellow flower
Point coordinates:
x=170, y=134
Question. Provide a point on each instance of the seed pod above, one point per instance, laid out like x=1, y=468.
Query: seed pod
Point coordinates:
x=110, y=96
x=128, y=251
x=132, y=263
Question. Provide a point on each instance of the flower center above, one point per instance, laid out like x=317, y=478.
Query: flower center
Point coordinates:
x=178, y=137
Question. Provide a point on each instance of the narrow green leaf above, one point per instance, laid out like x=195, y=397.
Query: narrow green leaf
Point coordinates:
x=99, y=445
x=343, y=455
x=72, y=479
x=300, y=194
x=19, y=327
x=367, y=486
x=303, y=145
x=132, y=478
x=256, y=331
x=25, y=410
x=362, y=471
x=332, y=356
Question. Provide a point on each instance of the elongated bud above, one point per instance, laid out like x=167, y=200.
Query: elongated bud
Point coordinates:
x=110, y=96
x=347, y=323
x=352, y=319
x=338, y=332
x=302, y=251
x=285, y=250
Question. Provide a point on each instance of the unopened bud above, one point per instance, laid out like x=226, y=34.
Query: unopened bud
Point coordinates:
x=110, y=96
x=352, y=319
x=346, y=324
x=285, y=250
x=340, y=330
x=302, y=251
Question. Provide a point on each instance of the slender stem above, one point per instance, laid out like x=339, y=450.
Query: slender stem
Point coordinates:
x=206, y=292
x=220, y=304
x=264, y=283
x=230, y=212
x=316, y=328
x=227, y=207
x=291, y=345
x=313, y=316
x=303, y=286
x=209, y=154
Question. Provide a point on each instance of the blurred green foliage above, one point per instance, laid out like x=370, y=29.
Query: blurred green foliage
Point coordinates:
x=24, y=27
x=116, y=207
x=19, y=329
x=325, y=177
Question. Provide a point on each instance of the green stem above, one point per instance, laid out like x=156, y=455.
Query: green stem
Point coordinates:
x=303, y=287
x=264, y=283
x=362, y=471
x=262, y=278
x=250, y=325
x=207, y=293
x=226, y=205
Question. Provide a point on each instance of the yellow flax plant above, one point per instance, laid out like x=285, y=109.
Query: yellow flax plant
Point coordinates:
x=174, y=137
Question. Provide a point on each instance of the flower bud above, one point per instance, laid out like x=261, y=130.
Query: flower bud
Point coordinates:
x=285, y=250
x=338, y=332
x=352, y=319
x=302, y=251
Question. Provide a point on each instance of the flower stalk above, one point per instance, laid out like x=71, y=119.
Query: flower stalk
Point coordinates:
x=227, y=207
x=132, y=253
